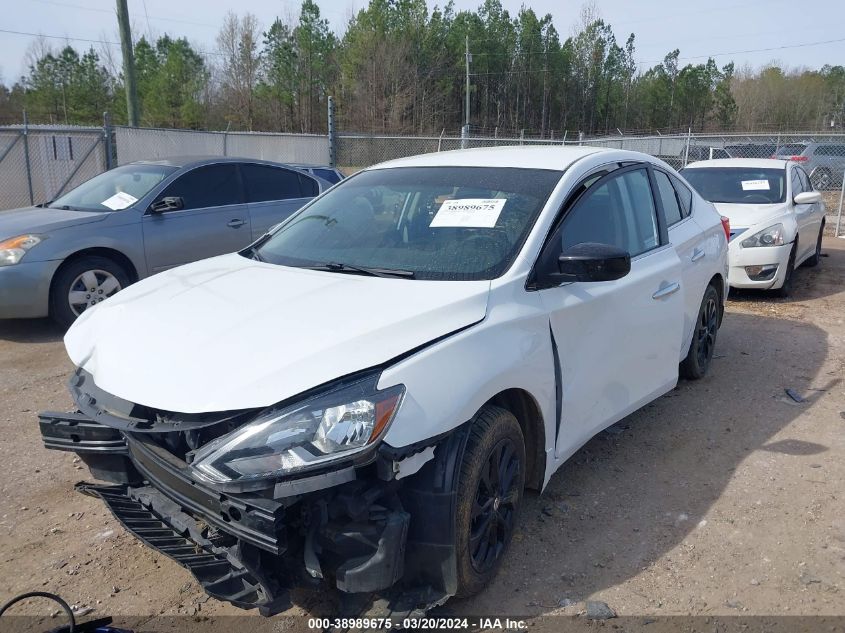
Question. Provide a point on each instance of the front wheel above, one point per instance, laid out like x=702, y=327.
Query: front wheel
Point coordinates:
x=697, y=362
x=490, y=484
x=83, y=283
x=816, y=257
x=786, y=287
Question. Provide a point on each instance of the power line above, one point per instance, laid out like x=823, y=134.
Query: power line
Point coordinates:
x=754, y=50
x=147, y=17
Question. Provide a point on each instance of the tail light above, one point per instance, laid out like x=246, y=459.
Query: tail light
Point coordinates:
x=799, y=159
x=726, y=225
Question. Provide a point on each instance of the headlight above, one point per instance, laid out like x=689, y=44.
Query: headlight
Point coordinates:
x=13, y=249
x=282, y=440
x=772, y=236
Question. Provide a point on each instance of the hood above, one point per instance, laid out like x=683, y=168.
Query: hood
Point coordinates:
x=748, y=215
x=232, y=333
x=14, y=222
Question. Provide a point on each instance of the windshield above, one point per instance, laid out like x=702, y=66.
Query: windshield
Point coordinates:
x=738, y=185
x=113, y=190
x=448, y=223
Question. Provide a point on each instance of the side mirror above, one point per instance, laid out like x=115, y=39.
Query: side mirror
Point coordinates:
x=807, y=197
x=593, y=262
x=168, y=203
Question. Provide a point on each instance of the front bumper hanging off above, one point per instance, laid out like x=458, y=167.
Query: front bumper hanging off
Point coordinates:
x=247, y=548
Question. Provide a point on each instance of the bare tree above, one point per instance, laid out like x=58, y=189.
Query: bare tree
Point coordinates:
x=238, y=44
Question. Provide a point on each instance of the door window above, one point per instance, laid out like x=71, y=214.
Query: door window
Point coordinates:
x=684, y=196
x=328, y=175
x=208, y=186
x=619, y=212
x=805, y=180
x=264, y=183
x=308, y=186
x=796, y=183
x=669, y=198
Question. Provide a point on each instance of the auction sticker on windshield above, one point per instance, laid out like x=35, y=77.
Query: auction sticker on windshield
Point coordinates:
x=470, y=212
x=755, y=185
x=119, y=201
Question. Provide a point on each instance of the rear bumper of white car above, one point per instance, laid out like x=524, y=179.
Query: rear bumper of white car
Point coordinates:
x=745, y=264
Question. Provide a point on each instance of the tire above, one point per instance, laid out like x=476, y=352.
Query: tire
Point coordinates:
x=700, y=353
x=816, y=258
x=104, y=275
x=786, y=287
x=488, y=507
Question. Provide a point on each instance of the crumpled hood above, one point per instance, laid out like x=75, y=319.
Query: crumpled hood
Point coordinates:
x=233, y=333
x=38, y=220
x=748, y=215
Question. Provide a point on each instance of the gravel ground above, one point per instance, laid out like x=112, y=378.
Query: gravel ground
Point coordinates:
x=724, y=497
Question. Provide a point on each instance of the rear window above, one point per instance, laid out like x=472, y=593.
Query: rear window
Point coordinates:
x=738, y=185
x=793, y=149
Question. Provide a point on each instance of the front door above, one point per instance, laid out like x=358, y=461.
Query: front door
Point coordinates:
x=617, y=341
x=213, y=220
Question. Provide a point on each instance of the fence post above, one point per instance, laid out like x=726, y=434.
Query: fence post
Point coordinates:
x=464, y=136
x=686, y=149
x=440, y=140
x=107, y=142
x=522, y=136
x=777, y=145
x=226, y=139
x=26, y=157
x=839, y=215
x=565, y=132
x=331, y=131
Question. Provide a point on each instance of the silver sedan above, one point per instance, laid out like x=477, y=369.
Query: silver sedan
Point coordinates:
x=63, y=256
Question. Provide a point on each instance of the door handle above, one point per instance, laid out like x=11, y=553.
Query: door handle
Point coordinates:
x=666, y=290
x=235, y=223
x=697, y=254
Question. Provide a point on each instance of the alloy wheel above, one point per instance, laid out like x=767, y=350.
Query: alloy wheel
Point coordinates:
x=494, y=508
x=90, y=288
x=708, y=325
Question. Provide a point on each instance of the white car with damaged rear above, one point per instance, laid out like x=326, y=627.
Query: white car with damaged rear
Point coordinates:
x=776, y=218
x=360, y=398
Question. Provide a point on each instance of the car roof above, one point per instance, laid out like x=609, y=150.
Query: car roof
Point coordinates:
x=754, y=163
x=526, y=157
x=309, y=166
x=194, y=161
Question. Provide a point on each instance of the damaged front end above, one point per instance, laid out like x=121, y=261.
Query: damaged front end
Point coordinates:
x=194, y=488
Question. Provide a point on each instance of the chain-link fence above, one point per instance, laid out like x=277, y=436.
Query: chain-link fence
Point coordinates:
x=151, y=143
x=39, y=163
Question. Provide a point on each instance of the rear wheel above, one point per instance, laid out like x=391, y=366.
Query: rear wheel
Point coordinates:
x=697, y=362
x=491, y=482
x=83, y=283
x=822, y=179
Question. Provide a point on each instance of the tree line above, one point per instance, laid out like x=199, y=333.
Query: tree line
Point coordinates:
x=400, y=68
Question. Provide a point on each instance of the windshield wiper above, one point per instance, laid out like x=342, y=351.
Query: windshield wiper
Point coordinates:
x=335, y=267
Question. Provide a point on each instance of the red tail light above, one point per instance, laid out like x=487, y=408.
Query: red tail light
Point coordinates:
x=726, y=225
x=799, y=159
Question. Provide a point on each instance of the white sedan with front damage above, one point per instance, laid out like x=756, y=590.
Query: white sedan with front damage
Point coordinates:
x=359, y=398
x=776, y=218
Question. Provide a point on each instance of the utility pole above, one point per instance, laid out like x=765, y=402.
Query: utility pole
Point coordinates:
x=468, y=60
x=465, y=128
x=128, y=63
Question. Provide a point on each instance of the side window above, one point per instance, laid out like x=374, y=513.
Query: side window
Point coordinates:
x=264, y=183
x=805, y=179
x=796, y=183
x=209, y=186
x=308, y=186
x=684, y=196
x=619, y=212
x=328, y=175
x=669, y=198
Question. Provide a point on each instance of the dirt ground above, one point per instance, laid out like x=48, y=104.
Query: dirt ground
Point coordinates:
x=724, y=497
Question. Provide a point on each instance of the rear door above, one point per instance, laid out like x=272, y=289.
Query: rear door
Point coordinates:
x=214, y=218
x=689, y=243
x=274, y=193
x=616, y=341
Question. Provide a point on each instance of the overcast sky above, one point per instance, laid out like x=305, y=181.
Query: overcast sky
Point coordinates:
x=720, y=28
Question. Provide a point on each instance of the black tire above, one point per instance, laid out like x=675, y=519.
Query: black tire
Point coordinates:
x=69, y=275
x=786, y=287
x=700, y=353
x=816, y=257
x=485, y=514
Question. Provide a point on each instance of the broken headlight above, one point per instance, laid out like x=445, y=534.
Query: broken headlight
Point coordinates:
x=333, y=424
